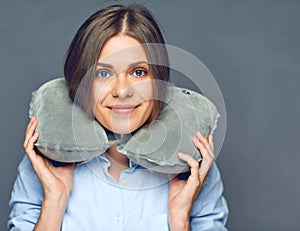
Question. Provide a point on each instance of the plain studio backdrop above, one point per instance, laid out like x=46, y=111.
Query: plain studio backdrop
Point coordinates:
x=251, y=48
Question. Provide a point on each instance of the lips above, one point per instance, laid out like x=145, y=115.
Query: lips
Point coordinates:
x=123, y=109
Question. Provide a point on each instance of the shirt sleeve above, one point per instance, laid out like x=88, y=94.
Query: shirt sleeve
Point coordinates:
x=210, y=211
x=26, y=198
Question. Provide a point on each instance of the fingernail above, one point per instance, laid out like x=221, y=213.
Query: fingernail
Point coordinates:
x=180, y=154
x=199, y=134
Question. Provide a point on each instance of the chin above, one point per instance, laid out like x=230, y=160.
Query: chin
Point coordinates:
x=123, y=128
x=122, y=124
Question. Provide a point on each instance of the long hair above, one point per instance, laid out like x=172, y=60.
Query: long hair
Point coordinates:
x=135, y=21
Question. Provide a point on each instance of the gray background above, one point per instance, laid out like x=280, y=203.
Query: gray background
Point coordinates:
x=252, y=49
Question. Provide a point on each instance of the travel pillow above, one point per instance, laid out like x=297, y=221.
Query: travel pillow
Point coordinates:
x=68, y=135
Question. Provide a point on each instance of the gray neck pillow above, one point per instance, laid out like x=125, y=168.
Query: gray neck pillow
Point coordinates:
x=68, y=135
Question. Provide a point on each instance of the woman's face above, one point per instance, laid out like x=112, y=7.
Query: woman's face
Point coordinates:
x=122, y=88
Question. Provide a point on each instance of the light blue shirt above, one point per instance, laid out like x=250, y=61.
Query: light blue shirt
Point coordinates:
x=139, y=201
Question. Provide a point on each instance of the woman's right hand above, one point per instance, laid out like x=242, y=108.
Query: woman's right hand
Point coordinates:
x=57, y=182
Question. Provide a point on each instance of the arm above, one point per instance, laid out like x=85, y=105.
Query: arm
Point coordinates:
x=210, y=211
x=26, y=198
x=183, y=193
x=39, y=178
x=27, y=203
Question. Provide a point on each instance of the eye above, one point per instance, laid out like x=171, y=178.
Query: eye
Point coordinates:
x=139, y=72
x=103, y=74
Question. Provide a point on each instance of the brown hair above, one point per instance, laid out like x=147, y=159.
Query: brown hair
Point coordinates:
x=135, y=21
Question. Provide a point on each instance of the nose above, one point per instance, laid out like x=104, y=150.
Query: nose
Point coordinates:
x=121, y=86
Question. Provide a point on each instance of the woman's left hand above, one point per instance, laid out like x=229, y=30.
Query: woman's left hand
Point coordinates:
x=183, y=193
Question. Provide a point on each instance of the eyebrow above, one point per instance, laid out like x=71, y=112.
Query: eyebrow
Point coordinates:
x=106, y=65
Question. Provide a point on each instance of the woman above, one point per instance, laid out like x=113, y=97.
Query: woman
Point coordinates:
x=109, y=60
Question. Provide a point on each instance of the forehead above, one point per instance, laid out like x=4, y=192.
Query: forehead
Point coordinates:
x=122, y=50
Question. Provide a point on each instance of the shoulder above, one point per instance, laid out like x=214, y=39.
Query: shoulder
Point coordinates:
x=211, y=193
x=26, y=172
x=27, y=185
x=26, y=198
x=213, y=179
x=25, y=165
x=210, y=210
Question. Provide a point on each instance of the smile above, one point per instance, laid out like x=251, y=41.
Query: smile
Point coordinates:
x=123, y=109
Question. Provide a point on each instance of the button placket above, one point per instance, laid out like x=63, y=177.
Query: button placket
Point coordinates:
x=118, y=217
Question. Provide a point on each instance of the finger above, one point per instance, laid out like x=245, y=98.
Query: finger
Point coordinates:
x=29, y=126
x=207, y=142
x=206, y=147
x=29, y=149
x=31, y=141
x=205, y=166
x=30, y=130
x=202, y=139
x=207, y=161
x=191, y=162
x=27, y=136
x=211, y=142
x=205, y=152
x=29, y=123
x=38, y=162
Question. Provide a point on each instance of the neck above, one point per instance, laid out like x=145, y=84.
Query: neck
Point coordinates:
x=118, y=162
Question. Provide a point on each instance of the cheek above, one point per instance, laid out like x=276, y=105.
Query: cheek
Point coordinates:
x=100, y=93
x=144, y=89
x=150, y=108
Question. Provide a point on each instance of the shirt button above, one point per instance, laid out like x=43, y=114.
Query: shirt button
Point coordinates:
x=118, y=218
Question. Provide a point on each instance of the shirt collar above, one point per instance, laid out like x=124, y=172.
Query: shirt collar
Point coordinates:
x=102, y=157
